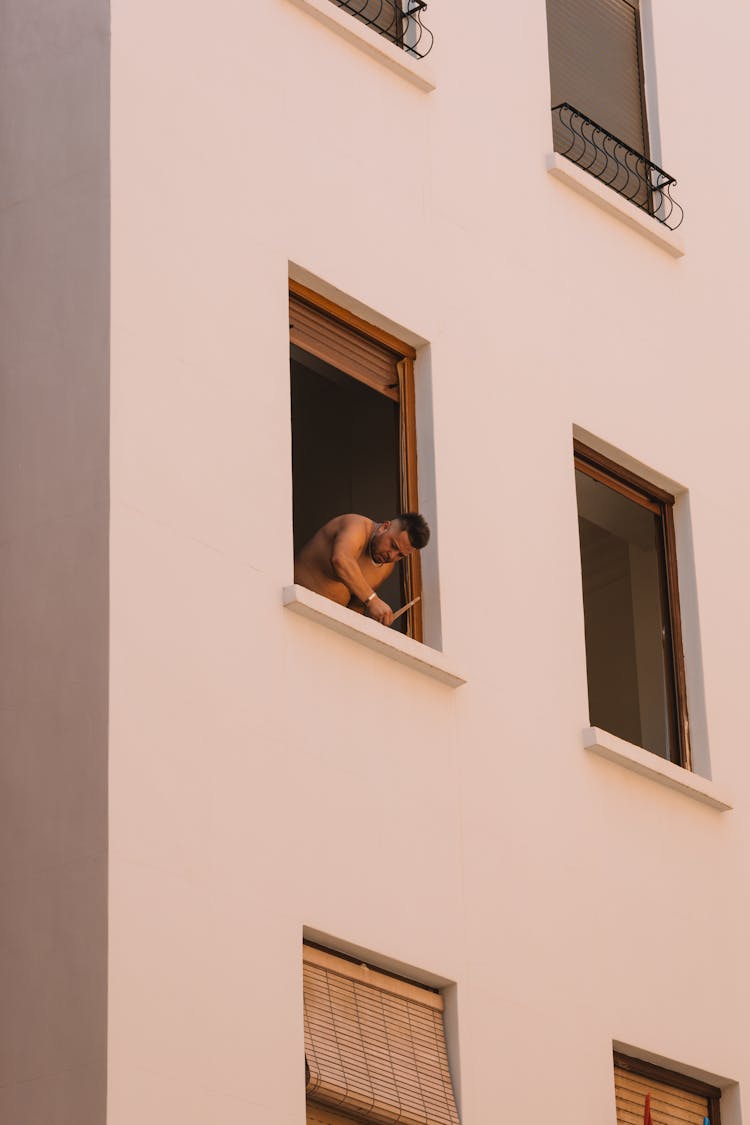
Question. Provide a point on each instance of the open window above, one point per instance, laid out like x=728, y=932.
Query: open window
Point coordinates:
x=353, y=430
x=634, y=661
x=674, y=1098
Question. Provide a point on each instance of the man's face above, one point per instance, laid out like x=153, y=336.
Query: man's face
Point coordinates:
x=391, y=543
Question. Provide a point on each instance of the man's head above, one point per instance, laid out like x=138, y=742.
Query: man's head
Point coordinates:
x=397, y=538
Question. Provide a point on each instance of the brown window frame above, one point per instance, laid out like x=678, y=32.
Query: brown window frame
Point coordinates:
x=673, y=1078
x=661, y=503
x=401, y=390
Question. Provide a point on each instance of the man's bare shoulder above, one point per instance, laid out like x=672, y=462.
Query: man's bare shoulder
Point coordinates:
x=350, y=527
x=351, y=522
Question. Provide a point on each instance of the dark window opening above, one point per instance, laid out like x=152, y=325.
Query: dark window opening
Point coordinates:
x=344, y=455
x=353, y=432
x=631, y=613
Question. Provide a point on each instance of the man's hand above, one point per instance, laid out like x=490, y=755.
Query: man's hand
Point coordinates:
x=380, y=611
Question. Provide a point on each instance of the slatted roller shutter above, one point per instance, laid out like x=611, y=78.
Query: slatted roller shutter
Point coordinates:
x=323, y=1115
x=375, y=1046
x=595, y=64
x=675, y=1098
x=349, y=351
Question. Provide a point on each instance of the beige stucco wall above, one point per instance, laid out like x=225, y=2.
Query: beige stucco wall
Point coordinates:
x=54, y=417
x=268, y=775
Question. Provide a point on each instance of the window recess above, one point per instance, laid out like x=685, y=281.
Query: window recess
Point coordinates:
x=397, y=20
x=599, y=119
x=374, y=1046
x=675, y=1098
x=634, y=660
x=354, y=443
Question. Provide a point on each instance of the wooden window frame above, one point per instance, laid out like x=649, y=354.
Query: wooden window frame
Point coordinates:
x=661, y=503
x=403, y=392
x=673, y=1078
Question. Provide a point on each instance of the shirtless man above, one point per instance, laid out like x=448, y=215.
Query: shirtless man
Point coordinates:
x=352, y=555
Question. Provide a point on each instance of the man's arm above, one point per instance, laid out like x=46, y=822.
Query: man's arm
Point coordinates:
x=348, y=544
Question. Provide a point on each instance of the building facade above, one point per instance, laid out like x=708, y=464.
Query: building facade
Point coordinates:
x=534, y=801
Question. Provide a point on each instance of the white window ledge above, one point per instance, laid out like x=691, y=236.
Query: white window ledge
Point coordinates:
x=371, y=634
x=376, y=46
x=605, y=197
x=651, y=765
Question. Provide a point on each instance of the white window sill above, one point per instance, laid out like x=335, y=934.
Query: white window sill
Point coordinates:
x=369, y=633
x=585, y=184
x=376, y=46
x=651, y=765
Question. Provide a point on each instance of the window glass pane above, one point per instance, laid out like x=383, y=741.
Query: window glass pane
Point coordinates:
x=628, y=648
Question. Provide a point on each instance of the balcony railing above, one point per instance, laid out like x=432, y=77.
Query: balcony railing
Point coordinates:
x=397, y=20
x=615, y=164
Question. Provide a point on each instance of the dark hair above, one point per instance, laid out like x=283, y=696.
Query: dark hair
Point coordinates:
x=416, y=528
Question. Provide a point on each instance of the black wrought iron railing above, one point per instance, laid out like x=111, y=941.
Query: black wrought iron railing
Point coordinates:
x=397, y=20
x=593, y=148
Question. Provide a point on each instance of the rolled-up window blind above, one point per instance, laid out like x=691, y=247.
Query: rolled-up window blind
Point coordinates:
x=595, y=64
x=335, y=342
x=669, y=1104
x=375, y=1045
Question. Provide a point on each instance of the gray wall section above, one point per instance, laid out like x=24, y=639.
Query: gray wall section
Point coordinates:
x=54, y=415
